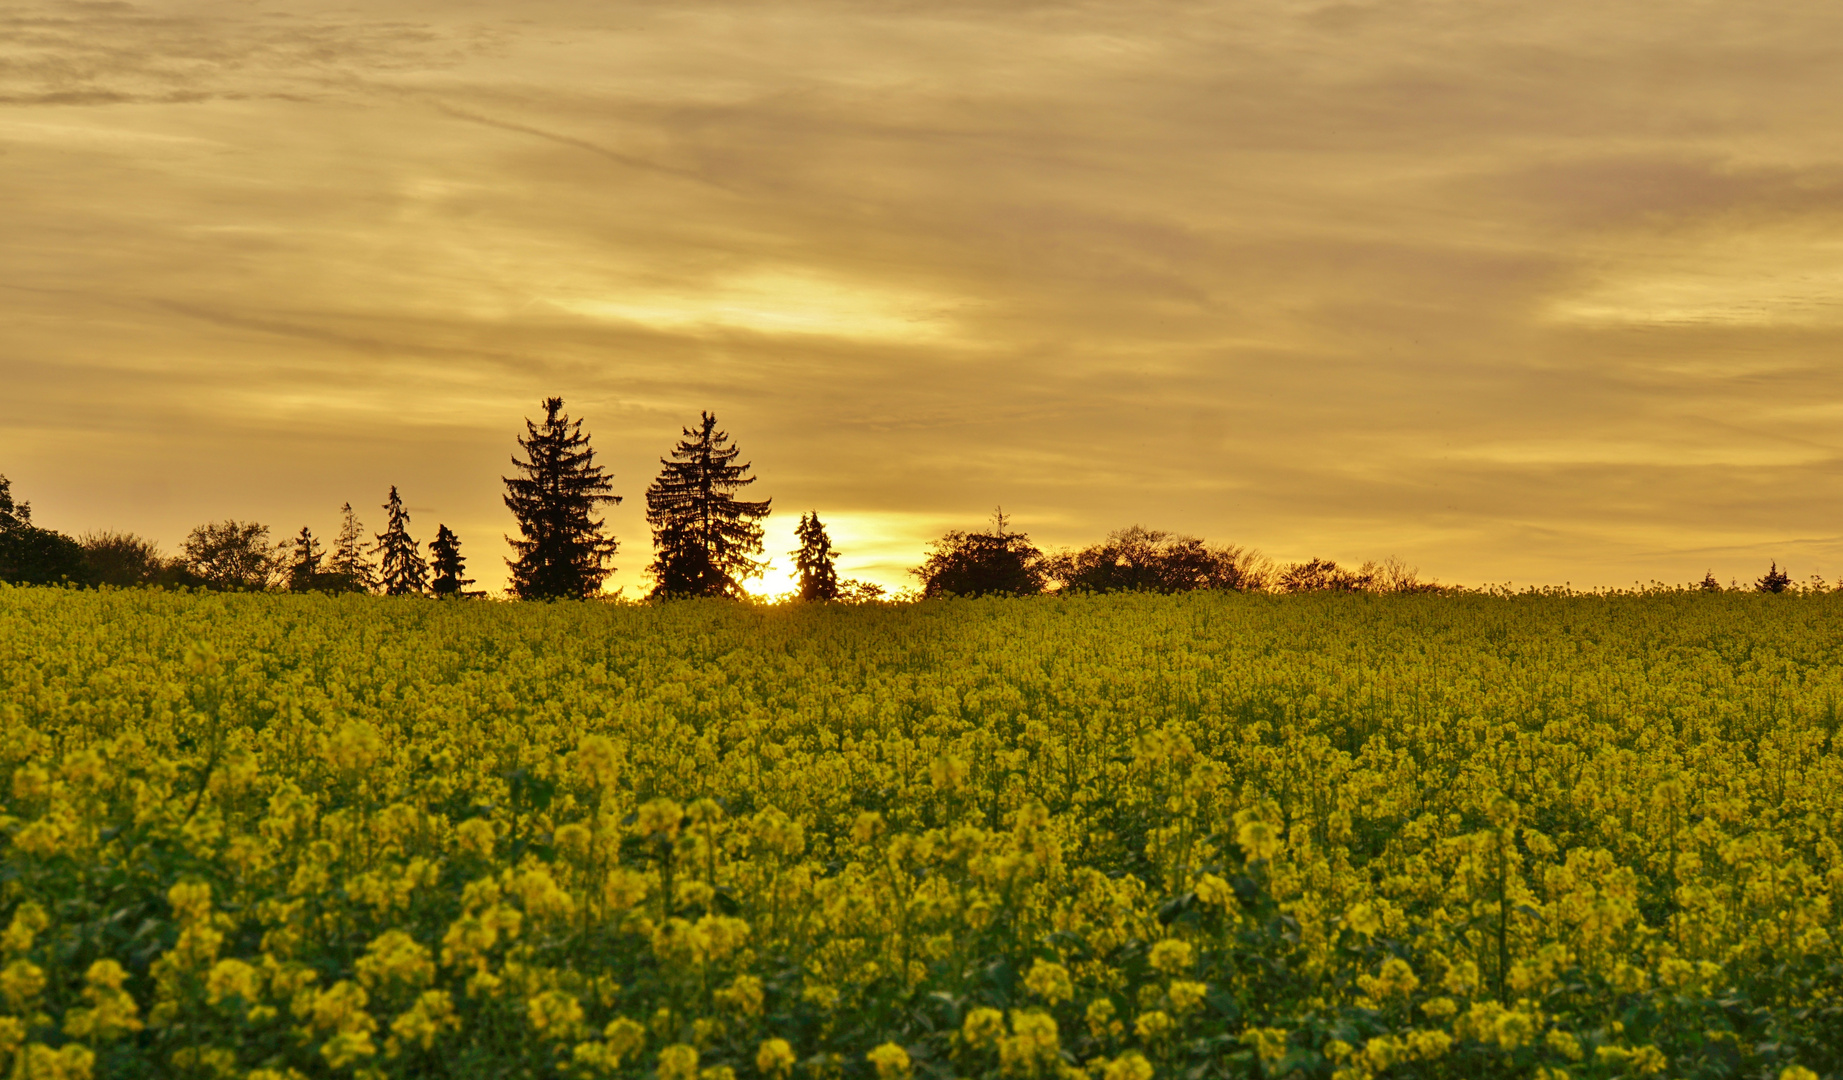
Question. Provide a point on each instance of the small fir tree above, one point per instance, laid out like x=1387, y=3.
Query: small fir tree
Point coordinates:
x=1709, y=584
x=401, y=570
x=814, y=559
x=703, y=536
x=562, y=552
x=1775, y=580
x=446, y=561
x=351, y=569
x=305, y=557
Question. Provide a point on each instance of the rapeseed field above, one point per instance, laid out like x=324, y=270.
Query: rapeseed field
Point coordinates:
x=262, y=837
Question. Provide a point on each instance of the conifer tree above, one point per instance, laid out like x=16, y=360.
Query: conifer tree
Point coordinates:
x=304, y=559
x=563, y=553
x=351, y=569
x=818, y=577
x=401, y=570
x=446, y=561
x=703, y=536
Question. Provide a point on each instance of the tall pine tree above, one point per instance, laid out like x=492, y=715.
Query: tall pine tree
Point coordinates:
x=446, y=561
x=563, y=552
x=350, y=569
x=400, y=567
x=304, y=559
x=818, y=577
x=703, y=536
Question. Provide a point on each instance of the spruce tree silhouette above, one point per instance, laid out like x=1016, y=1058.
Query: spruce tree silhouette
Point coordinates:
x=703, y=536
x=563, y=553
x=1774, y=581
x=304, y=559
x=350, y=569
x=400, y=567
x=818, y=577
x=446, y=561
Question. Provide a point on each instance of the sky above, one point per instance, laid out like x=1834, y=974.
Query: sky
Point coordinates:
x=1517, y=293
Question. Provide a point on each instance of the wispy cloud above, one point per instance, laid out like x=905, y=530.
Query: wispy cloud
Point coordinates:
x=1543, y=293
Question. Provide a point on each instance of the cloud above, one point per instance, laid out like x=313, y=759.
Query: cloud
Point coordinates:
x=1546, y=292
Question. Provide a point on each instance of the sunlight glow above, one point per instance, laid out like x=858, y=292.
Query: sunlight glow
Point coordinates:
x=776, y=302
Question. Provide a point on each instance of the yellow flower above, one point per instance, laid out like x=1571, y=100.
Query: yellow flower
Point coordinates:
x=1186, y=996
x=432, y=1014
x=1050, y=982
x=1258, y=839
x=625, y=1037
x=233, y=978
x=190, y=900
x=1131, y=1065
x=982, y=1028
x=947, y=773
x=1033, y=1048
x=475, y=837
x=1566, y=1045
x=1171, y=956
x=1215, y=892
x=1269, y=1043
x=678, y=1062
x=743, y=995
x=892, y=1061
x=776, y=1057
x=353, y=748
x=1363, y=919
x=661, y=817
x=1152, y=1025
x=1100, y=1016
x=20, y=982
x=869, y=823
x=347, y=1047
x=554, y=1014
x=394, y=956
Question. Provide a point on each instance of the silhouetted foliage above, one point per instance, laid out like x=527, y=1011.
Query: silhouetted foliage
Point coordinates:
x=703, y=536
x=401, y=570
x=853, y=591
x=982, y=564
x=814, y=559
x=1152, y=560
x=349, y=569
x=304, y=565
x=125, y=560
x=447, y=563
x=562, y=553
x=230, y=555
x=1321, y=575
x=1708, y=583
x=12, y=515
x=30, y=555
x=1774, y=581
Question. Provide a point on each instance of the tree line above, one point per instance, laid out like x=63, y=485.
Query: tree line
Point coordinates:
x=707, y=541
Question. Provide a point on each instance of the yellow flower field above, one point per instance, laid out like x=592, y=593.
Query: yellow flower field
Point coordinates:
x=264, y=836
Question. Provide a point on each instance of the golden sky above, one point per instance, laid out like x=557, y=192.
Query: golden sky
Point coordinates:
x=1517, y=292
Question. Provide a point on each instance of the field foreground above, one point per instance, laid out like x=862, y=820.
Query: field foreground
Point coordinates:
x=259, y=837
